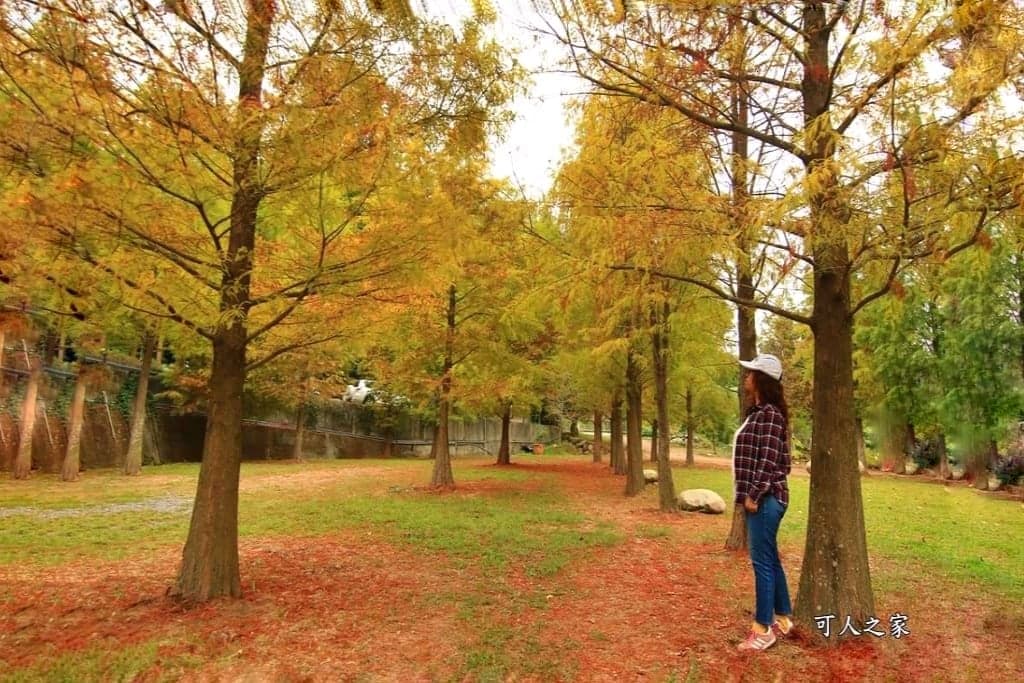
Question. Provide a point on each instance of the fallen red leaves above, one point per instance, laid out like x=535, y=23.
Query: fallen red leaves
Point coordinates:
x=352, y=604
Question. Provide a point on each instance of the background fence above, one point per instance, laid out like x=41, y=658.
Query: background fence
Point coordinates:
x=335, y=429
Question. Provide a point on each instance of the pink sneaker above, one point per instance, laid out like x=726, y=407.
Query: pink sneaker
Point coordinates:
x=758, y=641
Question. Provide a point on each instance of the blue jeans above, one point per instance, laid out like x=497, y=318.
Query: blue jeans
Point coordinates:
x=769, y=579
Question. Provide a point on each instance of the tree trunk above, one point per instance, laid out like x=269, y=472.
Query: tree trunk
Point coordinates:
x=72, y=461
x=691, y=426
x=666, y=486
x=618, y=457
x=745, y=322
x=1018, y=262
x=442, y=475
x=133, y=459
x=835, y=577
x=737, y=538
x=505, y=450
x=655, y=436
x=300, y=431
x=977, y=467
x=58, y=358
x=859, y=435
x=909, y=442
x=151, y=444
x=574, y=426
x=23, y=461
x=944, y=472
x=745, y=315
x=598, y=446
x=983, y=457
x=209, y=564
x=746, y=327
x=894, y=443
x=634, y=436
x=3, y=342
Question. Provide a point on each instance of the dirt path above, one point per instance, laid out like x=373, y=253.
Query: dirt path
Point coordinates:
x=167, y=504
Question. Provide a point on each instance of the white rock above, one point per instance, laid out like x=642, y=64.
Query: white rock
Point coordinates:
x=650, y=476
x=993, y=483
x=956, y=473
x=701, y=500
x=911, y=467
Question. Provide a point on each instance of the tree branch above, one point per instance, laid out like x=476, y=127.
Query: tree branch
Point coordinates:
x=176, y=256
x=881, y=291
x=897, y=261
x=646, y=91
x=179, y=10
x=172, y=314
x=252, y=365
x=895, y=69
x=721, y=294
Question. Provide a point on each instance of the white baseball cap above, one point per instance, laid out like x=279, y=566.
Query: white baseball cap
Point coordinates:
x=766, y=363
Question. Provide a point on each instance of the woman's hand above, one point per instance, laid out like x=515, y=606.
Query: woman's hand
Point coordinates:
x=749, y=504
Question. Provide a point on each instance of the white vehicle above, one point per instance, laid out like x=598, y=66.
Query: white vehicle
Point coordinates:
x=359, y=392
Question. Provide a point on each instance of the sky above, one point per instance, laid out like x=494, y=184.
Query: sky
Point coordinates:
x=534, y=143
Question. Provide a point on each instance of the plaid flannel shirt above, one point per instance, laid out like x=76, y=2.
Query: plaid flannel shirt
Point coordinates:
x=761, y=456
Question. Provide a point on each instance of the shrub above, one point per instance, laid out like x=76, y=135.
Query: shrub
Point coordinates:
x=926, y=453
x=1009, y=469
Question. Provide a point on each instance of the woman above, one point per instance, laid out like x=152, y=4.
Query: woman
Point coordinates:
x=760, y=466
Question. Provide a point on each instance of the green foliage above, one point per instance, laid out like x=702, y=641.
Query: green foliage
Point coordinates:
x=982, y=346
x=358, y=119
x=15, y=397
x=926, y=452
x=897, y=363
x=124, y=400
x=945, y=354
x=61, y=402
x=1009, y=469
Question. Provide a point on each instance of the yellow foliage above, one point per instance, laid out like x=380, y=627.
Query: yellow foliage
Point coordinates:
x=484, y=11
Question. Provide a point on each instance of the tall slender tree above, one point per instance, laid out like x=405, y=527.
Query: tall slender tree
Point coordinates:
x=136, y=435
x=634, y=422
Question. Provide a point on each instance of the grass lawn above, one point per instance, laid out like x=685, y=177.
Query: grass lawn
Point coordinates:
x=538, y=571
